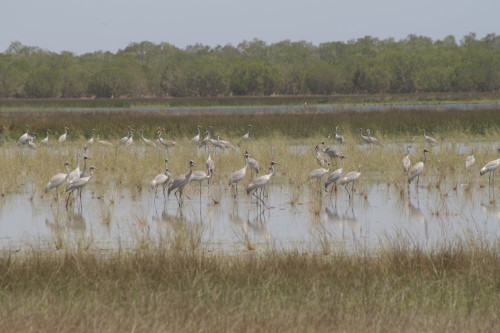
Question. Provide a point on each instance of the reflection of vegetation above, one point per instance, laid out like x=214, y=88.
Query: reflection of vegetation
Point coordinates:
x=399, y=289
x=365, y=65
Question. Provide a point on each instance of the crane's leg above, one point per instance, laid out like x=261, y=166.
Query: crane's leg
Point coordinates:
x=347, y=191
x=200, y=191
x=352, y=190
x=67, y=200
x=177, y=197
x=258, y=197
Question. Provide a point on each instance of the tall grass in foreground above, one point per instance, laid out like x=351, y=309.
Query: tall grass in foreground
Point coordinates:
x=452, y=288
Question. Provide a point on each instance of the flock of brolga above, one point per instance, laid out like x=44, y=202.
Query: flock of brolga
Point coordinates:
x=76, y=179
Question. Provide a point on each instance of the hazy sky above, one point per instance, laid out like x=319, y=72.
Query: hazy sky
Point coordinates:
x=91, y=25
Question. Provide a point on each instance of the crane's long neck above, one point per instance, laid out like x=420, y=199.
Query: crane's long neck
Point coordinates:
x=199, y=132
x=65, y=131
x=323, y=148
x=67, y=170
x=342, y=160
x=47, y=134
x=425, y=157
x=91, y=173
x=84, y=164
x=78, y=160
x=272, y=171
x=190, y=170
x=336, y=130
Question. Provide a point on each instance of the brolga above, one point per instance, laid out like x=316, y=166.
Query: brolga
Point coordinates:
x=217, y=143
x=75, y=173
x=25, y=137
x=417, y=169
x=91, y=140
x=226, y=144
x=46, y=140
x=209, y=164
x=338, y=138
x=350, y=177
x=180, y=182
x=319, y=173
x=196, y=139
x=104, y=142
x=364, y=138
x=56, y=181
x=429, y=139
x=166, y=143
x=238, y=175
x=470, y=160
x=372, y=139
x=252, y=163
x=130, y=140
x=78, y=184
x=260, y=183
x=247, y=134
x=63, y=137
x=206, y=141
x=406, y=163
x=491, y=167
x=161, y=179
x=147, y=142
x=331, y=152
x=320, y=158
x=335, y=176
x=125, y=138
x=200, y=176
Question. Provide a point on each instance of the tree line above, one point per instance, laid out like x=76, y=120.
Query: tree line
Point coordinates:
x=255, y=68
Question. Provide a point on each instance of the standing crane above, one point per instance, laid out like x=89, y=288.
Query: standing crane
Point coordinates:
x=331, y=152
x=470, y=160
x=319, y=173
x=166, y=143
x=364, y=138
x=63, y=137
x=200, y=176
x=429, y=139
x=335, y=176
x=338, y=138
x=238, y=175
x=206, y=141
x=406, y=163
x=246, y=136
x=417, y=169
x=260, y=183
x=161, y=179
x=210, y=165
x=91, y=140
x=25, y=137
x=350, y=177
x=179, y=183
x=320, y=158
x=491, y=167
x=78, y=184
x=147, y=142
x=104, y=142
x=46, y=140
x=252, y=163
x=196, y=139
x=372, y=139
x=56, y=181
x=125, y=138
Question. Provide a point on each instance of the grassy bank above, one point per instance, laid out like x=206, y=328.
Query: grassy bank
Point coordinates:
x=453, y=288
x=179, y=102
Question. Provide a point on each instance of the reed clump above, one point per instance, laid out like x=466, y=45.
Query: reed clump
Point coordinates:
x=403, y=288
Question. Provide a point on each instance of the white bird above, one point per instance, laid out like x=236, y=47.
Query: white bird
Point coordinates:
x=372, y=139
x=196, y=139
x=260, y=183
x=91, y=140
x=78, y=184
x=179, y=183
x=491, y=167
x=146, y=141
x=470, y=160
x=75, y=173
x=200, y=176
x=104, y=142
x=320, y=158
x=24, y=138
x=56, y=181
x=417, y=169
x=63, y=137
x=365, y=138
x=338, y=138
x=335, y=176
x=238, y=175
x=125, y=138
x=46, y=140
x=406, y=163
x=429, y=139
x=130, y=140
x=161, y=179
x=247, y=134
x=350, y=177
x=252, y=163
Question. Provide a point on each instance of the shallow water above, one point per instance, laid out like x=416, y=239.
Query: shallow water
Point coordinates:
x=309, y=220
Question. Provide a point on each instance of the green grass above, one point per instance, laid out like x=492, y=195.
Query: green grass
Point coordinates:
x=451, y=288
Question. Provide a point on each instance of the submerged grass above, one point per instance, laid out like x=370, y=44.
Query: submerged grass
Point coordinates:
x=452, y=288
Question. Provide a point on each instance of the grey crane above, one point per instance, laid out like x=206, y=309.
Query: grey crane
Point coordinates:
x=25, y=137
x=491, y=167
x=338, y=138
x=91, y=140
x=364, y=138
x=350, y=177
x=470, y=160
x=46, y=140
x=180, y=182
x=200, y=176
x=56, y=181
x=78, y=184
x=196, y=139
x=417, y=169
x=406, y=163
x=147, y=142
x=63, y=137
x=238, y=175
x=429, y=139
x=335, y=176
x=161, y=179
x=260, y=183
x=372, y=139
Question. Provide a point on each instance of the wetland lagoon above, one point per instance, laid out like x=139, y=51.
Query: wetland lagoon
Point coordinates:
x=395, y=251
